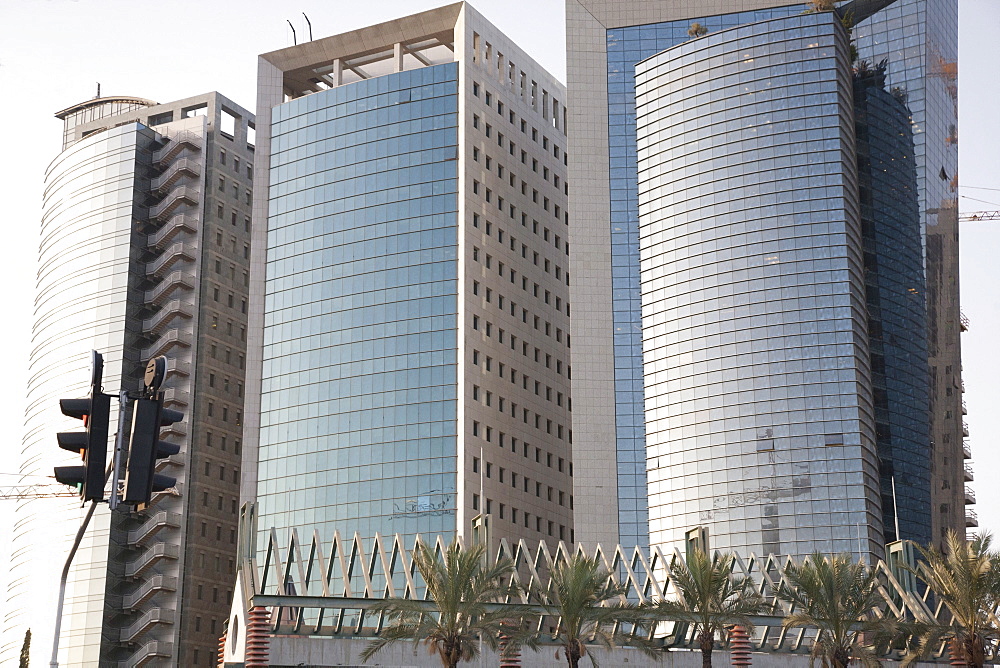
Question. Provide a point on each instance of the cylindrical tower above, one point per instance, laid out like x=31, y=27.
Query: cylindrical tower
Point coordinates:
x=82, y=296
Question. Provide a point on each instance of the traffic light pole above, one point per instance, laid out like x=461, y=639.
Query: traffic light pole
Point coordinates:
x=54, y=662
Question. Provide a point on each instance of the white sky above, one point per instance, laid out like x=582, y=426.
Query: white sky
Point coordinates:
x=53, y=52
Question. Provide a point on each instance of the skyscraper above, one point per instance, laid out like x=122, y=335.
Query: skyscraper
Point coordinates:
x=144, y=252
x=681, y=254
x=409, y=365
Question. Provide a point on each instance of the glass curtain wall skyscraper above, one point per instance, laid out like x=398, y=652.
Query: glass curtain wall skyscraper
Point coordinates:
x=409, y=311
x=605, y=42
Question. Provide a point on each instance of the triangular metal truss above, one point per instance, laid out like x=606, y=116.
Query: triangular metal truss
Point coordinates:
x=329, y=587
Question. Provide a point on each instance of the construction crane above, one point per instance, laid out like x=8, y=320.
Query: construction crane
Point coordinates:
x=41, y=491
x=975, y=216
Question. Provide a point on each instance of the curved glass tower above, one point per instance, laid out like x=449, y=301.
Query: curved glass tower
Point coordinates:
x=759, y=414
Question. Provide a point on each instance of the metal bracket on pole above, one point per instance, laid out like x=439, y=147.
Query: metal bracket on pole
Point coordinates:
x=119, y=459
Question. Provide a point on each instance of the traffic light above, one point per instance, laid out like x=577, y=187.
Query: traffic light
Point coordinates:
x=92, y=444
x=145, y=447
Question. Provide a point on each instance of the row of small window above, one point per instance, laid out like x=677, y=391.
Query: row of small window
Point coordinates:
x=210, y=440
x=525, y=449
x=219, y=532
x=234, y=504
x=524, y=483
x=531, y=419
x=232, y=272
x=509, y=240
x=227, y=356
x=224, y=414
x=495, y=64
x=546, y=264
x=231, y=300
x=481, y=324
x=541, y=457
x=233, y=243
x=478, y=188
x=236, y=163
x=223, y=473
x=541, y=525
x=218, y=565
x=486, y=397
x=247, y=197
x=233, y=217
x=520, y=123
x=536, y=291
x=226, y=384
x=512, y=177
x=229, y=328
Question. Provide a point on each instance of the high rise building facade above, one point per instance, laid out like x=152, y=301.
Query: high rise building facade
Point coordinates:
x=409, y=355
x=682, y=280
x=144, y=252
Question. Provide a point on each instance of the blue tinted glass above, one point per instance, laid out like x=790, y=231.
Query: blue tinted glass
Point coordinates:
x=358, y=405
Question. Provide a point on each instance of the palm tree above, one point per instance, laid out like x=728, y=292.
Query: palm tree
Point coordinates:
x=838, y=597
x=462, y=586
x=589, y=604
x=711, y=598
x=967, y=581
x=697, y=30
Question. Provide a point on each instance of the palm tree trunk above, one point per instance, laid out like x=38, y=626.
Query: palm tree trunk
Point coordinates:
x=707, y=641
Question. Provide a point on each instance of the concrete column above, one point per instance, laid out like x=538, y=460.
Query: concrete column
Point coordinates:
x=397, y=57
x=338, y=72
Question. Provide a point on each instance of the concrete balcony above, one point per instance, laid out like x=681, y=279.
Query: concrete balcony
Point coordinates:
x=178, y=252
x=970, y=496
x=154, y=649
x=164, y=290
x=169, y=340
x=162, y=319
x=176, y=397
x=146, y=622
x=965, y=408
x=965, y=428
x=178, y=169
x=181, y=223
x=150, y=558
x=971, y=519
x=148, y=590
x=966, y=449
x=151, y=526
x=185, y=140
x=968, y=472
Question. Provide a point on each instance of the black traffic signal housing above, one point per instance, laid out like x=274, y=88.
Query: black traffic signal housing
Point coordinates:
x=145, y=447
x=92, y=444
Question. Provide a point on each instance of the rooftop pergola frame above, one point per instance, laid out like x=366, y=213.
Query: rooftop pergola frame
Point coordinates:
x=398, y=57
x=409, y=43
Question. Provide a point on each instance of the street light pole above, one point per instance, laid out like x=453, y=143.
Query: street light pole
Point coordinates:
x=54, y=662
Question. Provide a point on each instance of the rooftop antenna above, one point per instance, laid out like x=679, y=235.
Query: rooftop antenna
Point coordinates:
x=310, y=26
x=98, y=89
x=295, y=40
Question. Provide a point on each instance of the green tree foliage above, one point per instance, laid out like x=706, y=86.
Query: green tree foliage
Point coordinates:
x=967, y=580
x=839, y=598
x=591, y=608
x=697, y=30
x=712, y=597
x=462, y=586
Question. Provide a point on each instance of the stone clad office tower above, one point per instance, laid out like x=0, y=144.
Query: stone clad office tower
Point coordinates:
x=739, y=296
x=144, y=247
x=409, y=301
